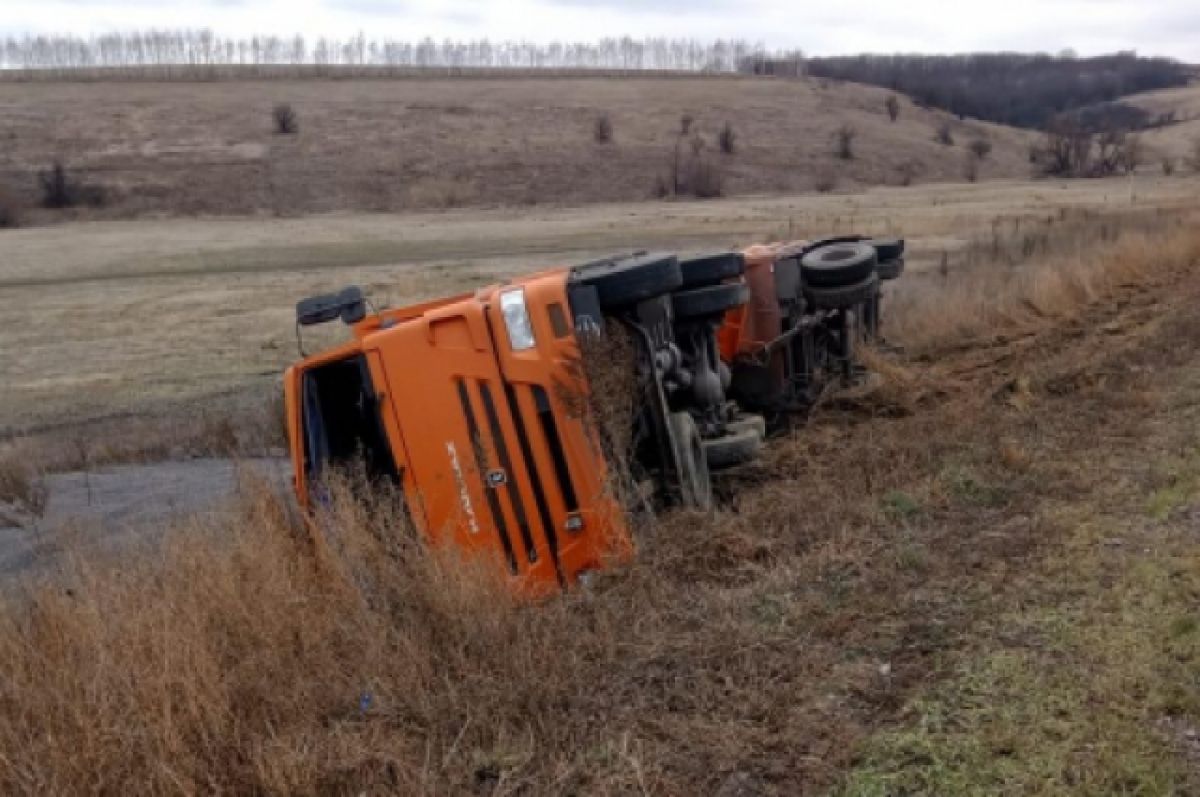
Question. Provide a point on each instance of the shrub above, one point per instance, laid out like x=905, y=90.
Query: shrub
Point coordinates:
x=685, y=124
x=60, y=190
x=971, y=167
x=892, y=104
x=1168, y=166
x=826, y=181
x=286, y=122
x=944, y=134
x=906, y=172
x=602, y=129
x=705, y=179
x=844, y=141
x=727, y=139
x=10, y=210
x=1193, y=160
x=980, y=148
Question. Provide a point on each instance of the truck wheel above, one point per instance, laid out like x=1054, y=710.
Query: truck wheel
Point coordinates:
x=838, y=265
x=711, y=269
x=891, y=269
x=888, y=248
x=710, y=301
x=841, y=298
x=695, y=483
x=625, y=281
x=733, y=448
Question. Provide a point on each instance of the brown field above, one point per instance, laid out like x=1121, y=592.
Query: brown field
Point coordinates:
x=979, y=577
x=187, y=148
x=109, y=319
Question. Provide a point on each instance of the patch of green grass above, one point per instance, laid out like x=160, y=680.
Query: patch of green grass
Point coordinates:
x=899, y=505
x=1180, y=486
x=968, y=487
x=1069, y=697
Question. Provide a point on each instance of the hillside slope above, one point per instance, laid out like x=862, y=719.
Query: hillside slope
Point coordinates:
x=1177, y=140
x=209, y=148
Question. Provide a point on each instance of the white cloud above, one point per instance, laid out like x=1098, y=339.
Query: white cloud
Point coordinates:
x=1160, y=27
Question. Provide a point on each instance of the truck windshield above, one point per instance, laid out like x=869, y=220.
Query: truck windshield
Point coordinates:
x=342, y=424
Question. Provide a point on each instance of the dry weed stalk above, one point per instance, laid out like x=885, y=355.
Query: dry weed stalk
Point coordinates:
x=1050, y=281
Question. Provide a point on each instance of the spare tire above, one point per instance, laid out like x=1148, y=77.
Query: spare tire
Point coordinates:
x=888, y=248
x=843, y=297
x=711, y=301
x=711, y=269
x=621, y=282
x=890, y=269
x=838, y=265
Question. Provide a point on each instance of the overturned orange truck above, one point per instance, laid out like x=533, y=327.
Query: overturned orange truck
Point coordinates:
x=478, y=407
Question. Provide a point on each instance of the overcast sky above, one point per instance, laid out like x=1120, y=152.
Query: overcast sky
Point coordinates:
x=1152, y=27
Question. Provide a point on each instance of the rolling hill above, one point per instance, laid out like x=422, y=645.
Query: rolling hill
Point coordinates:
x=201, y=148
x=1175, y=141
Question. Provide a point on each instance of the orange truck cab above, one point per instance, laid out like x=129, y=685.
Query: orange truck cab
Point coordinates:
x=477, y=408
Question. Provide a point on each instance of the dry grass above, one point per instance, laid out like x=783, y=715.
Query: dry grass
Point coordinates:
x=1025, y=274
x=176, y=148
x=755, y=648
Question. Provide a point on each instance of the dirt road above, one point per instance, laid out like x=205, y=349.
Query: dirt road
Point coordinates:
x=117, y=507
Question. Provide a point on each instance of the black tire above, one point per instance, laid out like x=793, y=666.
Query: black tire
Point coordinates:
x=890, y=269
x=695, y=482
x=621, y=282
x=841, y=298
x=830, y=240
x=838, y=265
x=888, y=248
x=711, y=269
x=732, y=449
x=711, y=301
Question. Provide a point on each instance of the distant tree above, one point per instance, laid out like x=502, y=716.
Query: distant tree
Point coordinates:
x=62, y=190
x=843, y=139
x=10, y=210
x=980, y=148
x=1193, y=159
x=1027, y=90
x=727, y=139
x=1132, y=154
x=602, y=129
x=971, y=166
x=685, y=124
x=944, y=134
x=286, y=122
x=1168, y=166
x=893, y=107
x=826, y=181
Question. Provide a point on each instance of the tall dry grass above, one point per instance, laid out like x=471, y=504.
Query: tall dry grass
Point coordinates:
x=1020, y=278
x=259, y=652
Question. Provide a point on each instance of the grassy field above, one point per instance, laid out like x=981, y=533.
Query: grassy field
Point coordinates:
x=114, y=318
x=1177, y=142
x=209, y=148
x=979, y=577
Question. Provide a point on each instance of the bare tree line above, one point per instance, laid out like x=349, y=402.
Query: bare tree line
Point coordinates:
x=201, y=48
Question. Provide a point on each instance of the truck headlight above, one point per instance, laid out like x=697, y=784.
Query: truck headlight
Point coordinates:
x=516, y=320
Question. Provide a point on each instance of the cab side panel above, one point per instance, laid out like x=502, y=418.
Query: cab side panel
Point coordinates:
x=450, y=405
